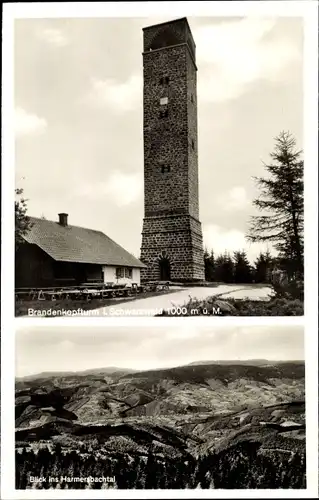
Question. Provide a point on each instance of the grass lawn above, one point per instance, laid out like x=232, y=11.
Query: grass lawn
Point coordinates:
x=22, y=306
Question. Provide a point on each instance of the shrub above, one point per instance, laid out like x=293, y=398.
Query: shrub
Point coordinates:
x=276, y=306
x=294, y=289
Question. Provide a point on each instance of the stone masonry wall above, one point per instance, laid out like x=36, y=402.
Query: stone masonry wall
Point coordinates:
x=192, y=137
x=171, y=226
x=165, y=139
x=179, y=239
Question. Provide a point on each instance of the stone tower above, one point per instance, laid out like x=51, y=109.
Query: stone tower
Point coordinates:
x=172, y=246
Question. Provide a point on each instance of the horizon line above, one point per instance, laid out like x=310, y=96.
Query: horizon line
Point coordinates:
x=192, y=363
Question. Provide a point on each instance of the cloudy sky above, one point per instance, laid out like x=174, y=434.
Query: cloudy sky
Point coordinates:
x=78, y=110
x=68, y=348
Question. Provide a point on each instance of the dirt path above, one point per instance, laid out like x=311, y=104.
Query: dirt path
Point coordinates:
x=154, y=305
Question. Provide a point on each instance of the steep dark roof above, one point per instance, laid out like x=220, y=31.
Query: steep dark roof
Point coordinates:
x=78, y=244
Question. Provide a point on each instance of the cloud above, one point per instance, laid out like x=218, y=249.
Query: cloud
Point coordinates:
x=229, y=240
x=235, y=199
x=239, y=53
x=28, y=124
x=120, y=97
x=53, y=37
x=187, y=332
x=122, y=189
x=65, y=346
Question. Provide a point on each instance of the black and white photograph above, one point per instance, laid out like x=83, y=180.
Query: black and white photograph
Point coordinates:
x=160, y=408
x=159, y=166
x=159, y=327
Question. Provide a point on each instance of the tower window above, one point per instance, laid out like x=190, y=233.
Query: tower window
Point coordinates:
x=164, y=113
x=164, y=80
x=193, y=144
x=192, y=98
x=165, y=169
x=163, y=101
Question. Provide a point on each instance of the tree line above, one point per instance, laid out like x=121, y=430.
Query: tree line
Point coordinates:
x=240, y=466
x=236, y=268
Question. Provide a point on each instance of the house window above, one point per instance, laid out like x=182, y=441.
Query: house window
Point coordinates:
x=119, y=272
x=128, y=272
x=166, y=80
x=163, y=101
x=124, y=272
x=162, y=81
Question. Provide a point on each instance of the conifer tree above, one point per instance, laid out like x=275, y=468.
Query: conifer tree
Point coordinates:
x=262, y=267
x=242, y=268
x=209, y=261
x=281, y=204
x=224, y=268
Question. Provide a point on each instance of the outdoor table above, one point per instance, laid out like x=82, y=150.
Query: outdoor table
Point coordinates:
x=70, y=294
x=51, y=295
x=89, y=294
x=107, y=292
x=22, y=295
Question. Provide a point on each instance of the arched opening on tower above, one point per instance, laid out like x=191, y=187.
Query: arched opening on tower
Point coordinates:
x=166, y=38
x=165, y=269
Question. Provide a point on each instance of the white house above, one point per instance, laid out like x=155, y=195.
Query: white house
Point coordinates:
x=56, y=253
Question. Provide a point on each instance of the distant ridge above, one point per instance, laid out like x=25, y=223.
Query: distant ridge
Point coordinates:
x=114, y=369
x=252, y=362
x=101, y=371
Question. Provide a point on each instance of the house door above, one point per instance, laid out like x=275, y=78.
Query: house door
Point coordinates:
x=165, y=270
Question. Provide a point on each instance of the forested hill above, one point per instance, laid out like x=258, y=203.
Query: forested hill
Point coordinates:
x=203, y=425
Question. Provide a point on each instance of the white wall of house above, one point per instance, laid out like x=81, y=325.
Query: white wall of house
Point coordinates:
x=110, y=275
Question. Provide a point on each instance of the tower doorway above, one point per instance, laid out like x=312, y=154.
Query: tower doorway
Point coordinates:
x=165, y=269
